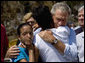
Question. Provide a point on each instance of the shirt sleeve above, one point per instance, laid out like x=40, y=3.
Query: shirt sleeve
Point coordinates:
x=36, y=39
x=70, y=51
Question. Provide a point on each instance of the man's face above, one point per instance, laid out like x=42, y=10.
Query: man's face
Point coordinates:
x=60, y=18
x=26, y=35
x=81, y=18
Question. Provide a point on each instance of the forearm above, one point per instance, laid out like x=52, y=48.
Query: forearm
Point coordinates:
x=36, y=54
x=31, y=55
x=59, y=46
x=68, y=51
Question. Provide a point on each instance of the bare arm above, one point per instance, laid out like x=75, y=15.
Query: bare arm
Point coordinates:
x=59, y=46
x=31, y=50
x=36, y=54
x=33, y=54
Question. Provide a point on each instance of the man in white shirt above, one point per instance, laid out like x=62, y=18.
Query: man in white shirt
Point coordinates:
x=49, y=53
x=80, y=34
x=63, y=51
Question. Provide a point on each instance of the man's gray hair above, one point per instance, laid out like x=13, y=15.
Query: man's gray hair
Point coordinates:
x=82, y=7
x=61, y=6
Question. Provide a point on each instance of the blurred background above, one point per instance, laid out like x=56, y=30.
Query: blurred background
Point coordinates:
x=12, y=13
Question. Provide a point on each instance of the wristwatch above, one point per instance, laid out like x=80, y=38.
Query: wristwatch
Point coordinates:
x=55, y=41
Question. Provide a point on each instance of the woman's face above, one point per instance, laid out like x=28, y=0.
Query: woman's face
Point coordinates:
x=26, y=35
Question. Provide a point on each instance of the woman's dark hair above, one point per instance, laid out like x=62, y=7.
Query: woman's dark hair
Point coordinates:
x=20, y=26
x=43, y=17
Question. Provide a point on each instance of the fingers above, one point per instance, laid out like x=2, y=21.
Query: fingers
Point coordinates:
x=15, y=51
x=44, y=33
x=41, y=33
x=14, y=48
x=48, y=31
x=14, y=55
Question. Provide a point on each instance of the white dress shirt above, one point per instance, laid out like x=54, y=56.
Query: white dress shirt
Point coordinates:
x=49, y=53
